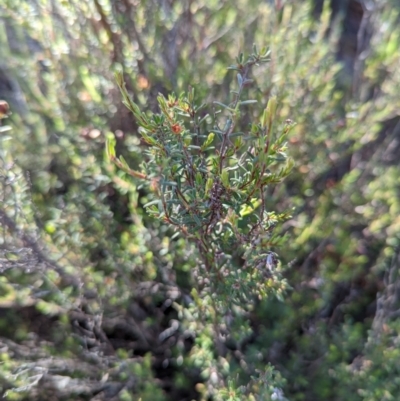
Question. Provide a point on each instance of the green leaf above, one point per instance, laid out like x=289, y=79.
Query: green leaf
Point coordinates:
x=149, y=140
x=208, y=141
x=199, y=178
x=270, y=112
x=224, y=106
x=153, y=202
x=225, y=177
x=203, y=119
x=110, y=147
x=171, y=183
x=209, y=185
x=248, y=102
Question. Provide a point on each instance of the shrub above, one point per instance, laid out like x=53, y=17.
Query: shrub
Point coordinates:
x=96, y=293
x=209, y=185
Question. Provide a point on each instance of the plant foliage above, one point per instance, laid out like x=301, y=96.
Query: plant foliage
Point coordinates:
x=209, y=184
x=100, y=299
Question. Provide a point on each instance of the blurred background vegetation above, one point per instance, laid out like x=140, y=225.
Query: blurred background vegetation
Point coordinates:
x=94, y=293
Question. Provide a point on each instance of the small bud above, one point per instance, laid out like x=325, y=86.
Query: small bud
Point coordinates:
x=4, y=109
x=176, y=128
